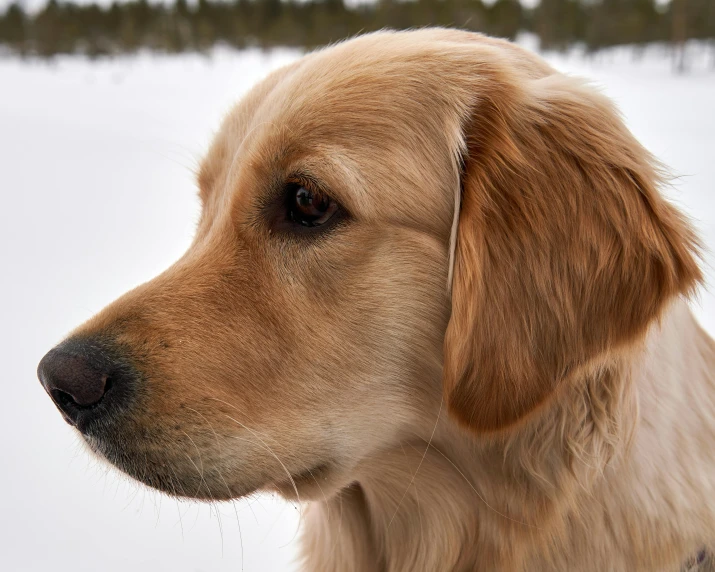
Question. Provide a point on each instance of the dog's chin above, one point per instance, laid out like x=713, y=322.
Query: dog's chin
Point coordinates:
x=172, y=478
x=320, y=482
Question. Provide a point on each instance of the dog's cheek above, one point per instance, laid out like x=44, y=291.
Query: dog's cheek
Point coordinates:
x=378, y=352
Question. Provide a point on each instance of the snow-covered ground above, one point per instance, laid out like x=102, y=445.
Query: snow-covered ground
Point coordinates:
x=97, y=195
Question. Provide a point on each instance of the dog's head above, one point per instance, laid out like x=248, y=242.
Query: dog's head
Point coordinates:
x=395, y=220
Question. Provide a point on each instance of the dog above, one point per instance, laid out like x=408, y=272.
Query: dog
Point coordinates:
x=436, y=294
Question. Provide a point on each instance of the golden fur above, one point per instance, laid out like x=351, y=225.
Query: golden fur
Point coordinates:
x=488, y=366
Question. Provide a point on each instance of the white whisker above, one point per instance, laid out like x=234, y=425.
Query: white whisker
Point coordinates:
x=434, y=429
x=269, y=449
x=479, y=495
x=228, y=490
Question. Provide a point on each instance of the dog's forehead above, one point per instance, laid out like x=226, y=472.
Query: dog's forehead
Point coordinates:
x=378, y=119
x=381, y=114
x=371, y=119
x=364, y=94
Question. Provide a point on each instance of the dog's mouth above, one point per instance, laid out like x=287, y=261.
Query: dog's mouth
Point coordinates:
x=177, y=476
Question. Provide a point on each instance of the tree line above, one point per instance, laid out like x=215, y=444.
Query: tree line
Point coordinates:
x=122, y=27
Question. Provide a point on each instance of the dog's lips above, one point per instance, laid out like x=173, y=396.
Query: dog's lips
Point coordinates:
x=166, y=476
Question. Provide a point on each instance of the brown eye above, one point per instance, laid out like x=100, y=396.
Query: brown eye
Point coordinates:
x=308, y=207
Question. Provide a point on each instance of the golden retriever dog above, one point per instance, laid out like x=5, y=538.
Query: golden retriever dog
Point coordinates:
x=435, y=293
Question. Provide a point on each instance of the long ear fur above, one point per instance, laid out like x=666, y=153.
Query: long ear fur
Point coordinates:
x=565, y=248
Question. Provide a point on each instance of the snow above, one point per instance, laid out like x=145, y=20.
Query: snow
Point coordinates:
x=97, y=195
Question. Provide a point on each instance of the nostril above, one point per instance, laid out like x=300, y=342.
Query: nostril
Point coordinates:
x=66, y=401
x=63, y=399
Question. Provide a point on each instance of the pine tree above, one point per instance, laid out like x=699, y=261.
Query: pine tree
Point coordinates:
x=559, y=23
x=13, y=28
x=133, y=24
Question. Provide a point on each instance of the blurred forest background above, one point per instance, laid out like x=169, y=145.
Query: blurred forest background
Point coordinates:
x=63, y=27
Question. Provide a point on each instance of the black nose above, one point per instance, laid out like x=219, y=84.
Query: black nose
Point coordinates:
x=86, y=380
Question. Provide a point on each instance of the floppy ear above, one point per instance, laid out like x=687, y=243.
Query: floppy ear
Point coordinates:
x=565, y=249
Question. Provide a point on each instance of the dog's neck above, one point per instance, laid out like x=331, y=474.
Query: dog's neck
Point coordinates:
x=452, y=499
x=468, y=494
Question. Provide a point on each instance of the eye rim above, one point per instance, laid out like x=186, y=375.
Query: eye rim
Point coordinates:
x=286, y=220
x=303, y=216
